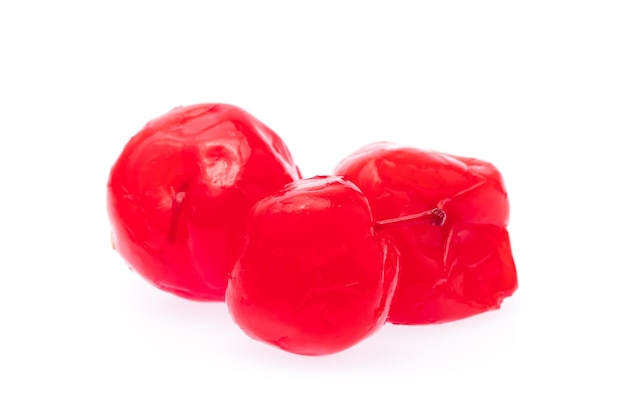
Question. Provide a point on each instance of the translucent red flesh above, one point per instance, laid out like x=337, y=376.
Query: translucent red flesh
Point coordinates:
x=179, y=191
x=312, y=277
x=462, y=268
x=198, y=195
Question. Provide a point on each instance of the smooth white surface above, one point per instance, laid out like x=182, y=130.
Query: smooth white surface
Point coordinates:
x=536, y=87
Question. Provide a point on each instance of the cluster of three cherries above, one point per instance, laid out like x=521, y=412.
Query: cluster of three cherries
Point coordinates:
x=207, y=203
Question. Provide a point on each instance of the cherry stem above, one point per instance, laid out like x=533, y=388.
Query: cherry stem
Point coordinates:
x=435, y=216
x=177, y=202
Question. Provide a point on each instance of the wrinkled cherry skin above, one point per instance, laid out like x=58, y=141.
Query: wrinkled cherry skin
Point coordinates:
x=462, y=268
x=312, y=277
x=178, y=193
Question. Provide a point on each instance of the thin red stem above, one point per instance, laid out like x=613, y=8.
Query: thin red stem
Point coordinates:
x=435, y=216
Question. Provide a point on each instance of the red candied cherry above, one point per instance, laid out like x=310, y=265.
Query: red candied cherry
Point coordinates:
x=313, y=276
x=447, y=272
x=179, y=191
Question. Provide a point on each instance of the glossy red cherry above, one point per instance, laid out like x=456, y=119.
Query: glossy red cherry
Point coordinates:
x=313, y=277
x=179, y=191
x=447, y=272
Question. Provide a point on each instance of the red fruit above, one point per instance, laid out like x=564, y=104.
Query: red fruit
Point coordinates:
x=179, y=191
x=312, y=277
x=448, y=272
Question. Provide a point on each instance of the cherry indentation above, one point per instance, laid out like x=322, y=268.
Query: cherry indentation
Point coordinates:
x=177, y=201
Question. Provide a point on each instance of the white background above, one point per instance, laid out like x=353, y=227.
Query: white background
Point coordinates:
x=536, y=87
